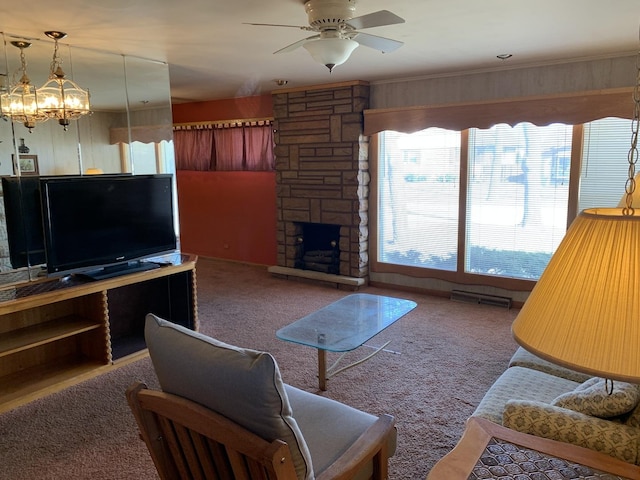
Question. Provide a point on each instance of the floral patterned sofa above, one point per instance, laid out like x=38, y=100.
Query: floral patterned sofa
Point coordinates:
x=537, y=397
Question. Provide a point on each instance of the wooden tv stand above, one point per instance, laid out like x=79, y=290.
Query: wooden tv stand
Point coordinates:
x=58, y=332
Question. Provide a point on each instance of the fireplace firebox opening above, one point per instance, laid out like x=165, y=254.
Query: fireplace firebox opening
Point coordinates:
x=319, y=247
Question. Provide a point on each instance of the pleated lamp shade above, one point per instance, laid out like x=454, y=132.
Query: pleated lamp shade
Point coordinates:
x=584, y=312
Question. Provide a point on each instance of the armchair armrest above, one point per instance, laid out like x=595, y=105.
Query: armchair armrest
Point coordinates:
x=371, y=446
x=557, y=423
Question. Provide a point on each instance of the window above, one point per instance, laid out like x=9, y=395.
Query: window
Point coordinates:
x=604, y=164
x=418, y=191
x=512, y=197
x=518, y=187
x=145, y=157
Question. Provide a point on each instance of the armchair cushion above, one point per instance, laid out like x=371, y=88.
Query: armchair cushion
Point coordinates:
x=520, y=383
x=557, y=423
x=592, y=398
x=320, y=418
x=524, y=358
x=243, y=385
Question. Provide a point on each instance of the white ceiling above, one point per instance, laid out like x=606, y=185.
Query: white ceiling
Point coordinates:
x=212, y=54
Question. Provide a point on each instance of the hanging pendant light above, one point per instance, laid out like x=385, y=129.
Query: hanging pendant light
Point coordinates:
x=61, y=98
x=20, y=103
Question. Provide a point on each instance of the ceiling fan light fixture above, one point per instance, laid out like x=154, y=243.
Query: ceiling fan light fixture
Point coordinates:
x=331, y=51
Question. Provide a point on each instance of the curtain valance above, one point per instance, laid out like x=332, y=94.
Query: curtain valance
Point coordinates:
x=571, y=109
x=145, y=134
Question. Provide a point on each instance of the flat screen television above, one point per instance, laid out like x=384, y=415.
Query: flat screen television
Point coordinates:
x=104, y=225
x=24, y=220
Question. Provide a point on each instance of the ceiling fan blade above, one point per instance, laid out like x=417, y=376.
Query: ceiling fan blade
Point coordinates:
x=385, y=45
x=275, y=25
x=375, y=19
x=299, y=43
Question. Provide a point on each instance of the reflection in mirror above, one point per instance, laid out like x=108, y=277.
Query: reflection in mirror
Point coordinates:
x=151, y=146
x=129, y=131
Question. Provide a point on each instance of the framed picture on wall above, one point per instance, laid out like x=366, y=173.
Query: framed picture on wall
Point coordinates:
x=26, y=164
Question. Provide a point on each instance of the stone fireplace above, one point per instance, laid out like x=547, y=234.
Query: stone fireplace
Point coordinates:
x=322, y=173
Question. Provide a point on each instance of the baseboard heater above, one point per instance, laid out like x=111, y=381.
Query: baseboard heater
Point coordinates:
x=473, y=297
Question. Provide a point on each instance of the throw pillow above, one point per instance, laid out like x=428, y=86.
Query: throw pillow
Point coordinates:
x=241, y=384
x=633, y=420
x=592, y=398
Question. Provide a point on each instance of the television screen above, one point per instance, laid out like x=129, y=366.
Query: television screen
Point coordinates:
x=24, y=220
x=102, y=225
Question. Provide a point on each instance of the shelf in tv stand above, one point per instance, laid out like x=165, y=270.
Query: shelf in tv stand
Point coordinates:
x=42, y=333
x=27, y=385
x=54, y=333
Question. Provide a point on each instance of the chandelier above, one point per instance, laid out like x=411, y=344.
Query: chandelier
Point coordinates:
x=20, y=103
x=61, y=98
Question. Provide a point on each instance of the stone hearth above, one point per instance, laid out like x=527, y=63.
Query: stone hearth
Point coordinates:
x=322, y=171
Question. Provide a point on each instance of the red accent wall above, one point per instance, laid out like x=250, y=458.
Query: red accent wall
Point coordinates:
x=229, y=215
x=259, y=106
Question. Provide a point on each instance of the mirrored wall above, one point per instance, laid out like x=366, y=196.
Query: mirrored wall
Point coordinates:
x=129, y=130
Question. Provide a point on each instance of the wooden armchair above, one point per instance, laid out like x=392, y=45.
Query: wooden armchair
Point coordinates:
x=224, y=413
x=189, y=441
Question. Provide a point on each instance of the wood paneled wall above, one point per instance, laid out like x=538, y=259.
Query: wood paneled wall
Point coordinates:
x=579, y=76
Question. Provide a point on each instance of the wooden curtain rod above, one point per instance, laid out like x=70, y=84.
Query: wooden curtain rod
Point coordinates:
x=224, y=122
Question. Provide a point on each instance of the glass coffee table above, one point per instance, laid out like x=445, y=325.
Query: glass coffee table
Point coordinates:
x=344, y=326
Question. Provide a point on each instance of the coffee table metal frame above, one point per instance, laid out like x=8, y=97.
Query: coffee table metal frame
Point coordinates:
x=344, y=326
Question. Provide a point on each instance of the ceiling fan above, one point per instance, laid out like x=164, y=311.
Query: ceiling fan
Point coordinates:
x=338, y=31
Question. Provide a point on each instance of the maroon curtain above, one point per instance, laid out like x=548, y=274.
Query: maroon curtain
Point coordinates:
x=225, y=146
x=229, y=148
x=259, y=148
x=193, y=149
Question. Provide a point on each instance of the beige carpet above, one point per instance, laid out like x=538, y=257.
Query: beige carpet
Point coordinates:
x=449, y=354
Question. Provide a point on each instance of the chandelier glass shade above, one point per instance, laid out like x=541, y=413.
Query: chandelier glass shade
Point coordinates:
x=20, y=103
x=61, y=98
x=331, y=51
